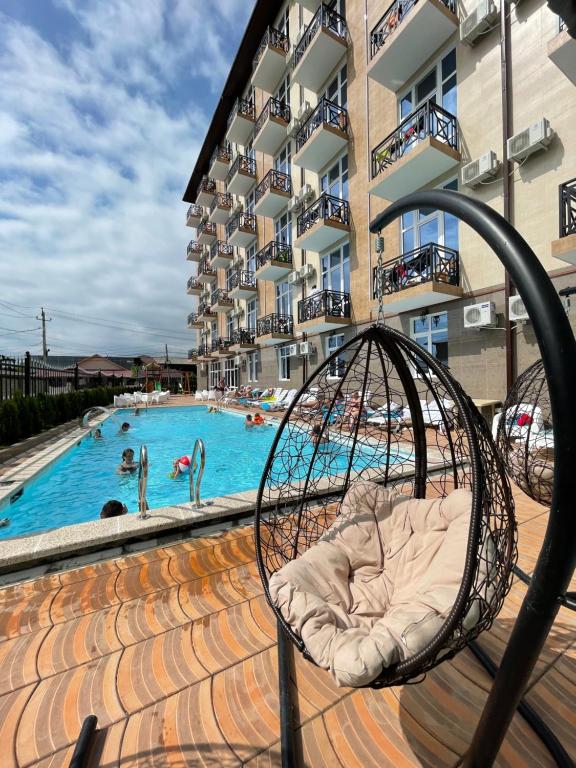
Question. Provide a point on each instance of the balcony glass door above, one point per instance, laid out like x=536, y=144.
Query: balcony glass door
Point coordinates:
x=336, y=270
x=251, y=314
x=283, y=299
x=283, y=229
x=429, y=226
x=335, y=180
x=337, y=91
x=283, y=160
x=251, y=258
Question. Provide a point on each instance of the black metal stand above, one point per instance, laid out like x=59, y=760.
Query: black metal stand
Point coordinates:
x=286, y=707
x=84, y=742
x=557, y=558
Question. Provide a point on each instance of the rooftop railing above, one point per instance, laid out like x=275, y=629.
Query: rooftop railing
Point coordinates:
x=242, y=164
x=221, y=248
x=326, y=113
x=243, y=278
x=207, y=185
x=275, y=324
x=272, y=108
x=273, y=38
x=393, y=18
x=195, y=210
x=322, y=304
x=275, y=181
x=428, y=120
x=323, y=18
x=221, y=200
x=243, y=107
x=430, y=263
x=568, y=208
x=243, y=336
x=274, y=251
x=243, y=221
x=325, y=208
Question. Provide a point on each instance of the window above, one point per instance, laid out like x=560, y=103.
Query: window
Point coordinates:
x=337, y=366
x=253, y=366
x=283, y=229
x=429, y=226
x=283, y=92
x=230, y=272
x=336, y=270
x=283, y=364
x=439, y=85
x=337, y=91
x=431, y=333
x=283, y=299
x=251, y=258
x=335, y=180
x=214, y=330
x=249, y=207
x=283, y=24
x=214, y=374
x=282, y=161
x=230, y=373
x=251, y=314
x=229, y=325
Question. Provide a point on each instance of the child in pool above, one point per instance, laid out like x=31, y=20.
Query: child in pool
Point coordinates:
x=97, y=435
x=128, y=464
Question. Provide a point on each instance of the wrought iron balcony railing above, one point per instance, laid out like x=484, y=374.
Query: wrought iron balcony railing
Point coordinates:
x=275, y=181
x=323, y=18
x=192, y=318
x=568, y=208
x=322, y=304
x=326, y=113
x=392, y=19
x=204, y=268
x=274, y=251
x=203, y=350
x=206, y=228
x=220, y=344
x=194, y=283
x=272, y=108
x=275, y=324
x=204, y=310
x=325, y=208
x=243, y=164
x=428, y=120
x=221, y=200
x=192, y=353
x=243, y=278
x=273, y=38
x=195, y=210
x=222, y=154
x=430, y=263
x=221, y=248
x=221, y=295
x=244, y=221
x=207, y=185
x=243, y=107
x=243, y=336
x=194, y=247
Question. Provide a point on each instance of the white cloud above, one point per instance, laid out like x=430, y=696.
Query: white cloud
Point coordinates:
x=97, y=141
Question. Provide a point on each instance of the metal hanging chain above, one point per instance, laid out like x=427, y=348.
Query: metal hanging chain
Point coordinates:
x=380, y=278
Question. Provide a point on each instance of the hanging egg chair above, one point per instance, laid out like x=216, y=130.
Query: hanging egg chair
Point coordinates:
x=385, y=533
x=523, y=431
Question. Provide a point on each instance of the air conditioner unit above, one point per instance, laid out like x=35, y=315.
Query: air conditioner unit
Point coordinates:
x=294, y=204
x=294, y=127
x=306, y=348
x=237, y=360
x=303, y=111
x=536, y=137
x=480, y=315
x=516, y=309
x=237, y=313
x=292, y=350
x=478, y=21
x=307, y=271
x=478, y=170
x=294, y=278
x=306, y=193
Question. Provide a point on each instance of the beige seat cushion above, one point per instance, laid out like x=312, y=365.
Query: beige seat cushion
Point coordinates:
x=378, y=584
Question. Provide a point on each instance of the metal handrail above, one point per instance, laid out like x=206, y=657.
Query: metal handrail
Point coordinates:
x=222, y=153
x=142, y=483
x=204, y=268
x=272, y=108
x=428, y=263
x=220, y=344
x=324, y=304
x=194, y=283
x=275, y=39
x=206, y=227
x=195, y=487
x=326, y=207
x=221, y=248
x=242, y=164
x=243, y=107
x=220, y=294
x=194, y=247
x=326, y=113
x=243, y=336
x=274, y=323
x=194, y=210
x=274, y=251
x=391, y=20
x=323, y=18
x=243, y=278
x=568, y=208
x=276, y=181
x=221, y=200
x=245, y=221
x=207, y=185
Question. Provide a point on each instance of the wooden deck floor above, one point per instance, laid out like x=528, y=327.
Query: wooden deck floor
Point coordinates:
x=174, y=650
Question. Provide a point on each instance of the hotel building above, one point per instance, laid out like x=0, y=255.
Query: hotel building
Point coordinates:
x=331, y=111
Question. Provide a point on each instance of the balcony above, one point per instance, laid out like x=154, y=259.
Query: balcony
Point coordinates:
x=420, y=278
x=270, y=60
x=206, y=272
x=195, y=251
x=205, y=313
x=221, y=208
x=423, y=147
x=206, y=233
x=194, y=321
x=243, y=339
x=204, y=353
x=324, y=311
x=220, y=162
x=243, y=285
x=406, y=37
x=194, y=215
x=271, y=128
x=241, y=176
x=322, y=136
x=206, y=191
x=193, y=354
x=274, y=261
x=194, y=287
x=241, y=122
x=221, y=255
x=272, y=194
x=220, y=301
x=565, y=247
x=323, y=44
x=241, y=230
x=272, y=329
x=321, y=225
x=221, y=347
x=562, y=51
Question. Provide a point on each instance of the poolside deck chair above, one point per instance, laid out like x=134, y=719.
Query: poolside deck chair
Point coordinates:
x=523, y=432
x=285, y=399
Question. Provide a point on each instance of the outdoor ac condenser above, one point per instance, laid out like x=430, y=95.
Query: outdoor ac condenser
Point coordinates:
x=478, y=21
x=516, y=309
x=292, y=350
x=237, y=360
x=294, y=278
x=306, y=348
x=483, y=168
x=306, y=193
x=481, y=315
x=536, y=137
x=307, y=271
x=294, y=204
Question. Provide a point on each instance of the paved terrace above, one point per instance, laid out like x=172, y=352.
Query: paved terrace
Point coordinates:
x=174, y=650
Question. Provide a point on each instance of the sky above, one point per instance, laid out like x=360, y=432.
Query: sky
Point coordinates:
x=104, y=105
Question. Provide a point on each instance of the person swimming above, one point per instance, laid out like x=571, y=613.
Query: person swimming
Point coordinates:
x=113, y=508
x=97, y=435
x=180, y=466
x=124, y=428
x=128, y=464
x=258, y=420
x=248, y=422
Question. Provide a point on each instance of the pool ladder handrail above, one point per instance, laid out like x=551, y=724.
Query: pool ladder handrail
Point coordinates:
x=195, y=486
x=142, y=483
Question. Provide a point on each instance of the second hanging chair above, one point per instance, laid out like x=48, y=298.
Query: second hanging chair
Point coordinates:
x=385, y=532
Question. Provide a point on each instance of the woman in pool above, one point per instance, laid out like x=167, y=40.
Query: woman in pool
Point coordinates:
x=124, y=428
x=248, y=422
x=180, y=466
x=97, y=435
x=258, y=420
x=317, y=437
x=128, y=464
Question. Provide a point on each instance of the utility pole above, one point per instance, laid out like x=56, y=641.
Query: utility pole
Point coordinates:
x=45, y=349
x=166, y=348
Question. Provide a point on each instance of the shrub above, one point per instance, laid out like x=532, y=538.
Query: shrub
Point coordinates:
x=9, y=422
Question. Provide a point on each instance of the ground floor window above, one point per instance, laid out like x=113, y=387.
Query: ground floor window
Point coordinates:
x=253, y=367
x=431, y=333
x=337, y=366
x=284, y=363
x=214, y=374
x=230, y=373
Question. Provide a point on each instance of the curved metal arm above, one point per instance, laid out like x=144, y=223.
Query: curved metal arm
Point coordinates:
x=142, y=483
x=557, y=558
x=195, y=489
x=86, y=415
